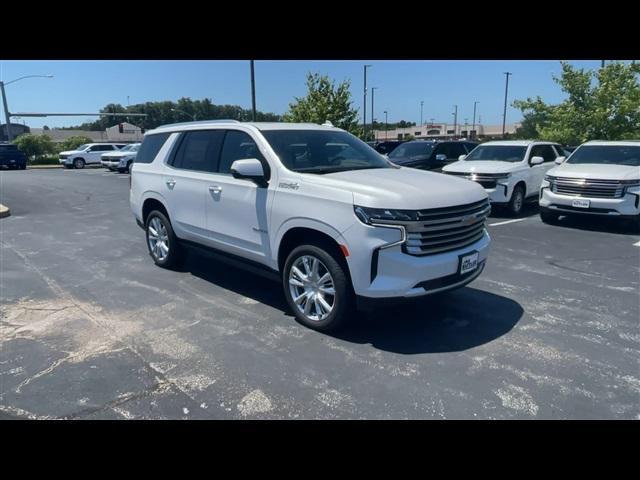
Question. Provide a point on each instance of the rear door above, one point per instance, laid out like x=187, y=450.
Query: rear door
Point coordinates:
x=95, y=153
x=188, y=174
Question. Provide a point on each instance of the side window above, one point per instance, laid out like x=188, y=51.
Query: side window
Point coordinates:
x=543, y=151
x=239, y=146
x=560, y=152
x=199, y=150
x=150, y=147
x=457, y=149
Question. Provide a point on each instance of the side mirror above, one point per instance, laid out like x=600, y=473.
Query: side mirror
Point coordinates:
x=559, y=160
x=249, y=169
x=536, y=161
x=462, y=157
x=441, y=157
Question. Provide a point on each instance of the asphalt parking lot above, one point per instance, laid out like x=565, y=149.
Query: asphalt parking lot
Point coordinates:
x=91, y=329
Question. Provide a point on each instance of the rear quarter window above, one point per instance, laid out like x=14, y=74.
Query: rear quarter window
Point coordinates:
x=150, y=147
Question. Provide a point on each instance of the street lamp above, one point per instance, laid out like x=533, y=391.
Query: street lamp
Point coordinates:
x=386, y=125
x=7, y=115
x=421, y=105
x=185, y=113
x=506, y=90
x=455, y=121
x=473, y=128
x=364, y=105
x=373, y=91
x=253, y=93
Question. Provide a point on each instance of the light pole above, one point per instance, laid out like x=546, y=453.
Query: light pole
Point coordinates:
x=253, y=93
x=364, y=105
x=466, y=127
x=7, y=115
x=373, y=91
x=421, y=105
x=386, y=125
x=473, y=128
x=184, y=113
x=455, y=121
x=506, y=90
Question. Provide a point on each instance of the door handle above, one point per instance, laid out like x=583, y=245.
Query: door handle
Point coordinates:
x=171, y=183
x=215, y=189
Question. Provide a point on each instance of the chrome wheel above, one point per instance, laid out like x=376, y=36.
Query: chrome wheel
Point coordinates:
x=158, y=239
x=311, y=287
x=517, y=201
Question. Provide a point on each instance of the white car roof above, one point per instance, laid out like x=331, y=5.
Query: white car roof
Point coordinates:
x=611, y=143
x=232, y=123
x=520, y=143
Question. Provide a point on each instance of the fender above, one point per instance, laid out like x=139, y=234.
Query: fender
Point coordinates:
x=150, y=194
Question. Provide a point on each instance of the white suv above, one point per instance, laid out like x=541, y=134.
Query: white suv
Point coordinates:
x=120, y=160
x=332, y=217
x=510, y=171
x=599, y=178
x=87, y=154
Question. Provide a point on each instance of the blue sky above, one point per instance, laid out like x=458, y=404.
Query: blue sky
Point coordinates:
x=86, y=86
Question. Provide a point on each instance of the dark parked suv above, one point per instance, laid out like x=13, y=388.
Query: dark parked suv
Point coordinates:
x=430, y=155
x=387, y=146
x=11, y=157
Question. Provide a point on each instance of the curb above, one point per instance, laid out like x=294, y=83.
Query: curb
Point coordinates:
x=4, y=211
x=43, y=166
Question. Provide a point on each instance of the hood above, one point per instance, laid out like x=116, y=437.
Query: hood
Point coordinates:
x=115, y=154
x=596, y=171
x=71, y=152
x=484, y=166
x=402, y=188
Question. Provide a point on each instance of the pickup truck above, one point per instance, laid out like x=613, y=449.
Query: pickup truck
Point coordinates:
x=11, y=157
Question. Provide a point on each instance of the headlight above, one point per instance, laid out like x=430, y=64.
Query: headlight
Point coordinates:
x=383, y=215
x=549, y=178
x=631, y=183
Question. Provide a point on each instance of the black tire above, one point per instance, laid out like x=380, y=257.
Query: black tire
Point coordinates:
x=516, y=203
x=23, y=166
x=176, y=254
x=343, y=299
x=549, y=217
x=79, y=163
x=129, y=167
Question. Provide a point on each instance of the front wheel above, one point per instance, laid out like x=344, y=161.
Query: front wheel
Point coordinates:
x=163, y=245
x=317, y=288
x=517, y=201
x=78, y=163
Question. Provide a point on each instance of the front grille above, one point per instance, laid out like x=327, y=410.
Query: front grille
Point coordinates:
x=63, y=157
x=443, y=229
x=581, y=187
x=487, y=180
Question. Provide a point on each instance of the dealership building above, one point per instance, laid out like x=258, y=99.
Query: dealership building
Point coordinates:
x=130, y=133
x=443, y=131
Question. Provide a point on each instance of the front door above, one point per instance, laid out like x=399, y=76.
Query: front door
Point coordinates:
x=537, y=172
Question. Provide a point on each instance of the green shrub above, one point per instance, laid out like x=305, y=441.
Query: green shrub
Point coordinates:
x=46, y=160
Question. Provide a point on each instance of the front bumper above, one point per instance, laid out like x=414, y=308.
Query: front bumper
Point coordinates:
x=628, y=205
x=110, y=164
x=392, y=273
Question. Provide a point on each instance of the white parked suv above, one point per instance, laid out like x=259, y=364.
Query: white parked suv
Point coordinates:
x=510, y=171
x=599, y=178
x=122, y=159
x=87, y=154
x=332, y=217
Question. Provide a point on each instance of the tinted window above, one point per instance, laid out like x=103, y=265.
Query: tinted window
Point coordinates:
x=150, y=147
x=238, y=146
x=199, y=150
x=500, y=153
x=607, y=154
x=322, y=151
x=470, y=146
x=412, y=150
x=544, y=151
x=8, y=147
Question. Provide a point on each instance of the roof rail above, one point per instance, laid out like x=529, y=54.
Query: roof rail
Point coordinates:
x=199, y=122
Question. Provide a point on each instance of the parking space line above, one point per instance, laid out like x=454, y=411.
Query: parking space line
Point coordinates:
x=508, y=221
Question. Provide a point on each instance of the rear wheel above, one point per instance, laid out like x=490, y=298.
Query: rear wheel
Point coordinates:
x=23, y=166
x=317, y=288
x=78, y=163
x=164, y=247
x=517, y=201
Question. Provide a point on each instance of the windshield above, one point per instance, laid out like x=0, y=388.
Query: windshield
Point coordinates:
x=82, y=147
x=412, y=150
x=317, y=151
x=498, y=153
x=130, y=148
x=607, y=155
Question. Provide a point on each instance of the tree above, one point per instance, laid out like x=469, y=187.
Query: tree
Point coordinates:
x=602, y=104
x=74, y=142
x=35, y=145
x=325, y=101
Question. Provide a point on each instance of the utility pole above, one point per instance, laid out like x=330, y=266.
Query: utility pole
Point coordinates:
x=253, y=94
x=421, y=105
x=602, y=64
x=506, y=91
x=364, y=105
x=473, y=128
x=373, y=91
x=6, y=112
x=455, y=121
